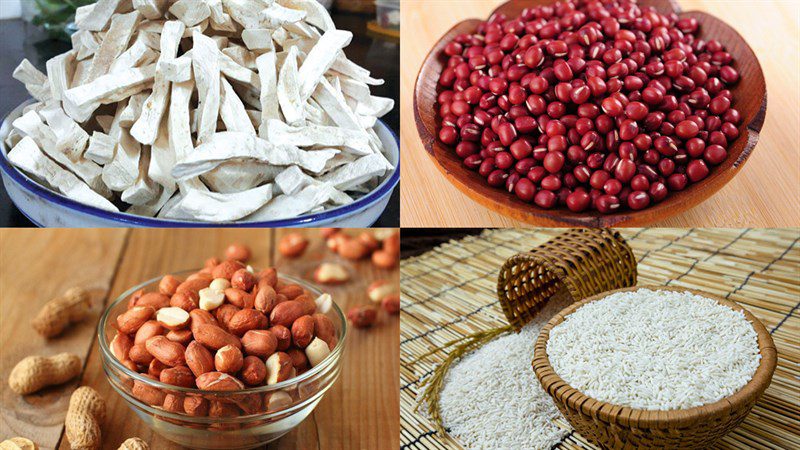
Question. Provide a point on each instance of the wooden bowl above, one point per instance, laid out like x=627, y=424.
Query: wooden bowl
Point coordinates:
x=749, y=97
x=616, y=427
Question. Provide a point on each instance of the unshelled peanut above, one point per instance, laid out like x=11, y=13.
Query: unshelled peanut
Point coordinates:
x=57, y=314
x=37, y=372
x=18, y=443
x=86, y=413
x=134, y=443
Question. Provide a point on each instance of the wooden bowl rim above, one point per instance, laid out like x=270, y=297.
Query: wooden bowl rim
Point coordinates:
x=562, y=392
x=676, y=203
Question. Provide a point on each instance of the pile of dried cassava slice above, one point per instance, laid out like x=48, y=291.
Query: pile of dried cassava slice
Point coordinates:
x=207, y=110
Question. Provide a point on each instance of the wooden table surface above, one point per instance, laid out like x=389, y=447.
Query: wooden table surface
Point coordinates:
x=360, y=411
x=766, y=193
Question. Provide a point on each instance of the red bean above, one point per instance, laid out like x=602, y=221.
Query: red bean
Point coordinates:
x=599, y=104
x=578, y=201
x=525, y=190
x=638, y=200
x=714, y=155
x=448, y=135
x=607, y=203
x=545, y=199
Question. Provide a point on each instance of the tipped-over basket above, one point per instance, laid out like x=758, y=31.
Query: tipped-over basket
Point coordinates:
x=620, y=427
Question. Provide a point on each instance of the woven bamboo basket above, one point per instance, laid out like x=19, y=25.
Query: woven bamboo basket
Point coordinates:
x=583, y=261
x=619, y=427
x=578, y=263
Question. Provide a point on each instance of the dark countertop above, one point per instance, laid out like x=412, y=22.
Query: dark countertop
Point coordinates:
x=19, y=40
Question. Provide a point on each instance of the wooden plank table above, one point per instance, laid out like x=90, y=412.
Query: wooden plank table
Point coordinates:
x=765, y=194
x=360, y=411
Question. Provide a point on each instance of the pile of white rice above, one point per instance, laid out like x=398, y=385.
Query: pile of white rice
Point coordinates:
x=656, y=350
x=491, y=398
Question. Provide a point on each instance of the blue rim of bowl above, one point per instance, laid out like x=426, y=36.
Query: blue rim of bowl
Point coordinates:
x=107, y=357
x=385, y=188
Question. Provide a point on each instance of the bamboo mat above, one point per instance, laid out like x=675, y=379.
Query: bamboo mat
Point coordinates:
x=450, y=291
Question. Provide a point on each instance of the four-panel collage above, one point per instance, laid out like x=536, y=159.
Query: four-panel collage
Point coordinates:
x=207, y=241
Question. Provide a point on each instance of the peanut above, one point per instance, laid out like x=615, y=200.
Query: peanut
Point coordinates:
x=156, y=367
x=130, y=321
x=57, y=314
x=379, y=289
x=37, y=372
x=172, y=317
x=147, y=330
x=211, y=298
x=362, y=316
x=369, y=241
x=291, y=291
x=246, y=320
x=254, y=371
x=224, y=314
x=286, y=313
x=269, y=275
x=195, y=406
x=198, y=358
x=120, y=346
x=239, y=298
x=139, y=354
x=324, y=329
x=186, y=300
x=147, y=393
x=261, y=343
x=166, y=351
x=391, y=244
x=266, y=299
x=18, y=443
x=330, y=273
x=292, y=245
x=134, y=443
x=173, y=403
x=351, y=249
x=279, y=367
x=303, y=331
x=391, y=304
x=237, y=252
x=155, y=300
x=242, y=279
x=226, y=269
x=177, y=376
x=324, y=303
x=384, y=259
x=168, y=285
x=87, y=411
x=182, y=337
x=283, y=336
x=228, y=359
x=218, y=381
x=220, y=284
x=278, y=400
x=317, y=351
x=299, y=359
x=200, y=317
x=327, y=233
x=215, y=337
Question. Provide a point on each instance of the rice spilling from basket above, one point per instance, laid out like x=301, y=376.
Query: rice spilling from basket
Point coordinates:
x=203, y=110
x=655, y=350
x=491, y=398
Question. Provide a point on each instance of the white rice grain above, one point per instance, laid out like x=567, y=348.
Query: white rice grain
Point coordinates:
x=656, y=350
x=491, y=398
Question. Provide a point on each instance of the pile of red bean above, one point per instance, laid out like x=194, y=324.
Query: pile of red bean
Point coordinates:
x=600, y=105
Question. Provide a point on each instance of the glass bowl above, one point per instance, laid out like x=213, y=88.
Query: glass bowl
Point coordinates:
x=236, y=419
x=47, y=208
